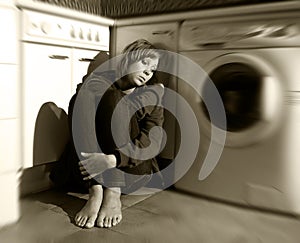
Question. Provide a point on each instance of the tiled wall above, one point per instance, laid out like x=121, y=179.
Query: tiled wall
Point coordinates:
x=9, y=117
x=129, y=8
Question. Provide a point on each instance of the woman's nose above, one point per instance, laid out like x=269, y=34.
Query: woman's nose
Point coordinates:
x=147, y=72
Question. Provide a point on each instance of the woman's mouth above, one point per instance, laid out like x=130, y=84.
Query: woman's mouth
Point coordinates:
x=141, y=79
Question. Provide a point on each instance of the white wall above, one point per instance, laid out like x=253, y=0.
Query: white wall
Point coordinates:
x=9, y=115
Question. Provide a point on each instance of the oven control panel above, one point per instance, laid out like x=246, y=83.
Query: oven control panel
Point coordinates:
x=51, y=29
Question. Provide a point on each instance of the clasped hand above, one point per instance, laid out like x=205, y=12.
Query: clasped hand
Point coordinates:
x=96, y=163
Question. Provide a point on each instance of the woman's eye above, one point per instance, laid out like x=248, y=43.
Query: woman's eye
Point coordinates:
x=144, y=62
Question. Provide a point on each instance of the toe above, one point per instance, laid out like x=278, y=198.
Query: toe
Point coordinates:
x=109, y=222
x=106, y=221
x=77, y=219
x=82, y=221
x=91, y=222
x=119, y=218
x=114, y=221
x=100, y=221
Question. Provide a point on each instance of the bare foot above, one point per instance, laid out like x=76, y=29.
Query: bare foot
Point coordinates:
x=110, y=212
x=87, y=216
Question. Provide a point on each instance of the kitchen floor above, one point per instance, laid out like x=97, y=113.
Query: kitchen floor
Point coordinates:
x=167, y=216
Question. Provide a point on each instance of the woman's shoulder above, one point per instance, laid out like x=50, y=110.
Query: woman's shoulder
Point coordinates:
x=99, y=81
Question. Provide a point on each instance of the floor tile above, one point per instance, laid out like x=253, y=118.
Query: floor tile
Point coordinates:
x=131, y=200
x=134, y=220
x=217, y=222
x=97, y=235
x=71, y=208
x=37, y=224
x=149, y=227
x=58, y=202
x=167, y=216
x=51, y=197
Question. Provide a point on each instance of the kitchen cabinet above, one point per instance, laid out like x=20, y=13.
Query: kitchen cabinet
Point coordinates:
x=50, y=76
x=55, y=54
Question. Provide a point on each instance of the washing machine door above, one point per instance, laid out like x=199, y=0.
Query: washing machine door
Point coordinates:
x=251, y=94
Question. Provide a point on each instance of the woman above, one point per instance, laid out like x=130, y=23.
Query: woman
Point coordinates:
x=105, y=168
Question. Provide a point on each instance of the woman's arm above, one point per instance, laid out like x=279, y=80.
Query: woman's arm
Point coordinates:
x=147, y=143
x=83, y=115
x=131, y=152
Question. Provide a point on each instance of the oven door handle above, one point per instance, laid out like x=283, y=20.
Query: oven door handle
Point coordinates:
x=59, y=57
x=86, y=59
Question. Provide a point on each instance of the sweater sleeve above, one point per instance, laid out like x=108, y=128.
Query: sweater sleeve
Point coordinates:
x=83, y=115
x=146, y=101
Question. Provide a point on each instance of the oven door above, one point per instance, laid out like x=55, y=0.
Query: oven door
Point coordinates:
x=46, y=91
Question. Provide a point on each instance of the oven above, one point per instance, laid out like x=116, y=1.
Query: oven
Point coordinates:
x=55, y=54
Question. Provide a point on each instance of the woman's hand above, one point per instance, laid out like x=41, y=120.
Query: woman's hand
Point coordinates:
x=96, y=163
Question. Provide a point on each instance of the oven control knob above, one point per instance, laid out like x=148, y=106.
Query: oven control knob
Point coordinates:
x=97, y=38
x=46, y=27
x=81, y=34
x=89, y=35
x=73, y=32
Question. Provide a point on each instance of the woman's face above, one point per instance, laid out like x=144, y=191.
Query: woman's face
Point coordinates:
x=139, y=73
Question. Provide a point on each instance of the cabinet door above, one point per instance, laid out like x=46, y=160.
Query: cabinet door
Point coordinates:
x=81, y=61
x=46, y=91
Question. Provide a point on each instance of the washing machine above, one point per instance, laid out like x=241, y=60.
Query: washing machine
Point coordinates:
x=254, y=63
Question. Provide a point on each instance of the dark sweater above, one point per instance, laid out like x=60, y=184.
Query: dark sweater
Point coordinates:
x=92, y=120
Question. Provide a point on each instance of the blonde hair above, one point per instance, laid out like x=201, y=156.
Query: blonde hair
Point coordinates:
x=135, y=52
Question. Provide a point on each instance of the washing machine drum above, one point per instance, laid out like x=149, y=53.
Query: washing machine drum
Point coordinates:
x=240, y=88
x=251, y=96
